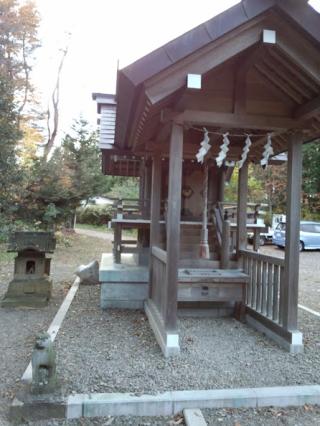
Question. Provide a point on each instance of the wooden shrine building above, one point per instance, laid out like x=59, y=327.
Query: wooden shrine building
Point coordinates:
x=239, y=88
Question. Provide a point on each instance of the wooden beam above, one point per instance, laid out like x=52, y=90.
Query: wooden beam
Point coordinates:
x=291, y=269
x=229, y=120
x=242, y=208
x=173, y=226
x=307, y=110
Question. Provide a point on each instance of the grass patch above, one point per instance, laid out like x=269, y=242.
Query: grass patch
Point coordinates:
x=4, y=255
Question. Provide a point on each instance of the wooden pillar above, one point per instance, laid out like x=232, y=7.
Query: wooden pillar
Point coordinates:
x=155, y=211
x=222, y=183
x=204, y=250
x=117, y=243
x=242, y=208
x=173, y=225
x=291, y=268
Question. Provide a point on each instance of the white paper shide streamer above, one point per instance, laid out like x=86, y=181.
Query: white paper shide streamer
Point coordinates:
x=267, y=152
x=224, y=148
x=245, y=152
x=205, y=147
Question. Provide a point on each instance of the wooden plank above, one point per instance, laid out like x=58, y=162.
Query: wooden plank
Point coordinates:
x=308, y=110
x=159, y=254
x=291, y=268
x=173, y=225
x=117, y=243
x=242, y=208
x=229, y=120
x=225, y=245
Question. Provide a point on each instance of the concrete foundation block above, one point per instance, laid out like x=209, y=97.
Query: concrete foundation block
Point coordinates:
x=75, y=406
x=35, y=408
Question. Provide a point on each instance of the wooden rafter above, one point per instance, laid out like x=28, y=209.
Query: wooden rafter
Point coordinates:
x=308, y=110
x=278, y=82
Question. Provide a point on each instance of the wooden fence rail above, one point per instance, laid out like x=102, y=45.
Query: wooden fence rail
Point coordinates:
x=264, y=291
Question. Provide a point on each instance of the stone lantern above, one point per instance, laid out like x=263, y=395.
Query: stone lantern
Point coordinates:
x=31, y=285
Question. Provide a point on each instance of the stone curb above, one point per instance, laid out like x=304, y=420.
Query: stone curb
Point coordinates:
x=56, y=323
x=171, y=403
x=194, y=417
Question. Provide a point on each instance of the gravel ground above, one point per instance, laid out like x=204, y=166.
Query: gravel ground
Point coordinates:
x=302, y=416
x=106, y=367
x=123, y=355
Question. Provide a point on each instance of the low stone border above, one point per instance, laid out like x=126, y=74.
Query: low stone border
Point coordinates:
x=56, y=323
x=163, y=404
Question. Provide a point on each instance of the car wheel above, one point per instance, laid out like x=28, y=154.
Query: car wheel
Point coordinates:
x=301, y=246
x=280, y=247
x=262, y=241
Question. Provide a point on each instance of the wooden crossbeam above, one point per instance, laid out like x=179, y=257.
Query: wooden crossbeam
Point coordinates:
x=308, y=110
x=229, y=120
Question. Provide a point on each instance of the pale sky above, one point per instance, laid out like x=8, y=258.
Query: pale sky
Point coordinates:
x=103, y=32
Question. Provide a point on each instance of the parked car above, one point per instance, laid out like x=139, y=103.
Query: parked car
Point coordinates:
x=309, y=235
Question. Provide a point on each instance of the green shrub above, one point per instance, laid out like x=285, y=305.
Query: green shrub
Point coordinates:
x=94, y=215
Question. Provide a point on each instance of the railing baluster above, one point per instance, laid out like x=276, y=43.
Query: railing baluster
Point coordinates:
x=270, y=289
x=281, y=301
x=254, y=284
x=264, y=288
x=258, y=307
x=275, y=311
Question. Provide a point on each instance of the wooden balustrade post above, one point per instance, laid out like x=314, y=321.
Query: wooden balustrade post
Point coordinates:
x=291, y=268
x=225, y=246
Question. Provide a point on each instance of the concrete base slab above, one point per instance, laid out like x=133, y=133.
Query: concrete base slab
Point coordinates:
x=168, y=341
x=194, y=417
x=123, y=295
x=30, y=409
x=295, y=345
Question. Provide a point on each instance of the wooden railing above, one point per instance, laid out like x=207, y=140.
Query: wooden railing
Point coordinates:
x=131, y=208
x=264, y=291
x=158, y=277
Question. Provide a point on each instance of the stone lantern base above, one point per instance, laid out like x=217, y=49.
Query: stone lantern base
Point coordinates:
x=31, y=293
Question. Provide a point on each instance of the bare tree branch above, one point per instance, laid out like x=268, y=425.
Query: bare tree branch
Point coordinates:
x=55, y=99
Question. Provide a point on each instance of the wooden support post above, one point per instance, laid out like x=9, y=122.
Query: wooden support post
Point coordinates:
x=225, y=246
x=173, y=226
x=117, y=243
x=204, y=250
x=222, y=183
x=242, y=208
x=291, y=268
x=155, y=211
